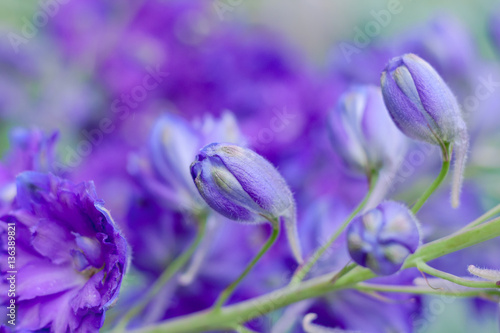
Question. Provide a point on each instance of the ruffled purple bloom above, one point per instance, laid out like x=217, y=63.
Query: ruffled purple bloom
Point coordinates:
x=70, y=258
x=383, y=237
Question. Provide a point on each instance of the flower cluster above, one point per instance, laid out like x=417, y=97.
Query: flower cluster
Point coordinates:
x=172, y=125
x=69, y=258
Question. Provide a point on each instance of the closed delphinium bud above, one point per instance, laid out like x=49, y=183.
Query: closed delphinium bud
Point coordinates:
x=69, y=256
x=243, y=186
x=424, y=108
x=382, y=238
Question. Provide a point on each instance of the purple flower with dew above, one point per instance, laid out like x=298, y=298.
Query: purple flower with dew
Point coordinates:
x=425, y=109
x=241, y=185
x=70, y=258
x=383, y=237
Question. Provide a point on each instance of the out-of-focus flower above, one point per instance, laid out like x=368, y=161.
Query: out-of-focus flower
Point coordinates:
x=362, y=132
x=383, y=237
x=70, y=258
x=495, y=29
x=30, y=149
x=173, y=144
x=446, y=43
x=36, y=71
x=241, y=185
x=425, y=109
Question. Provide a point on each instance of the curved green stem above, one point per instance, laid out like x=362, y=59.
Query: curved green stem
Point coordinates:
x=420, y=290
x=421, y=265
x=485, y=217
x=442, y=175
x=233, y=315
x=301, y=273
x=167, y=274
x=224, y=296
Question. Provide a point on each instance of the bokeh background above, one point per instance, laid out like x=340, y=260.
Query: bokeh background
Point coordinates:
x=77, y=68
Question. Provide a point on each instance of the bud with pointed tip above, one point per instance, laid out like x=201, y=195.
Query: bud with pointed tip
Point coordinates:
x=382, y=238
x=243, y=186
x=424, y=108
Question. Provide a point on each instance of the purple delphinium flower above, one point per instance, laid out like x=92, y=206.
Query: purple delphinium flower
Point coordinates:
x=383, y=237
x=243, y=186
x=424, y=108
x=70, y=258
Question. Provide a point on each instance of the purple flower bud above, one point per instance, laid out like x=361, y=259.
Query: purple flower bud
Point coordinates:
x=173, y=143
x=362, y=132
x=69, y=256
x=383, y=237
x=243, y=186
x=425, y=109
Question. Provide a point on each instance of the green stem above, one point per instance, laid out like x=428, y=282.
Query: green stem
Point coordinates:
x=303, y=270
x=233, y=315
x=167, y=274
x=420, y=290
x=442, y=175
x=455, y=279
x=485, y=217
x=224, y=296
